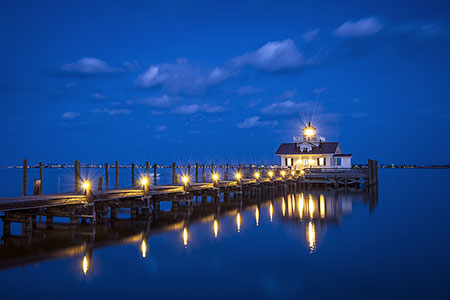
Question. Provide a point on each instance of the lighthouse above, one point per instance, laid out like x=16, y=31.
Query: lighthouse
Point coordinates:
x=312, y=151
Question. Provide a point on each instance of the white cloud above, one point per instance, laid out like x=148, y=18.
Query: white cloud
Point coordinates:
x=70, y=115
x=255, y=121
x=89, y=65
x=98, y=95
x=311, y=35
x=160, y=101
x=363, y=27
x=319, y=91
x=195, y=108
x=284, y=108
x=273, y=56
x=111, y=112
x=161, y=128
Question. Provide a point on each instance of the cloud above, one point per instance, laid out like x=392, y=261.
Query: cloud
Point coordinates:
x=180, y=77
x=363, y=27
x=98, y=96
x=422, y=29
x=193, y=132
x=195, y=108
x=254, y=103
x=284, y=108
x=273, y=56
x=111, y=112
x=70, y=115
x=161, y=128
x=311, y=35
x=160, y=101
x=88, y=66
x=319, y=91
x=255, y=121
x=288, y=95
x=248, y=90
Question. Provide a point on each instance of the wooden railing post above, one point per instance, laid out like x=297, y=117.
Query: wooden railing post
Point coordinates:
x=155, y=167
x=107, y=176
x=196, y=172
x=174, y=173
x=203, y=173
x=77, y=176
x=100, y=184
x=189, y=171
x=133, y=184
x=24, y=177
x=226, y=172
x=37, y=187
x=40, y=177
x=147, y=171
x=117, y=175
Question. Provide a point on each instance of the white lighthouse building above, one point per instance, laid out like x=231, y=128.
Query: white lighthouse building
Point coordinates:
x=311, y=151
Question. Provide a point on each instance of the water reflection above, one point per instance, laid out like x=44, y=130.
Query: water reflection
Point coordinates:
x=309, y=212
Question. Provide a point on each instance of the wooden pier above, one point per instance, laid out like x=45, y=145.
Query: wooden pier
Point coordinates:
x=94, y=204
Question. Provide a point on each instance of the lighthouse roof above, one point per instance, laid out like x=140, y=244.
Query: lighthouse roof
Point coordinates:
x=323, y=148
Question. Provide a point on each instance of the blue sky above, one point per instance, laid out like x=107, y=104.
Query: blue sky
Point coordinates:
x=205, y=81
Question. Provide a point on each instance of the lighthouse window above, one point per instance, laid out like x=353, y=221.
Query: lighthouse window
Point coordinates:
x=321, y=161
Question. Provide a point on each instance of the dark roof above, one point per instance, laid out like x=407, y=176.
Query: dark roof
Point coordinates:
x=336, y=155
x=324, y=148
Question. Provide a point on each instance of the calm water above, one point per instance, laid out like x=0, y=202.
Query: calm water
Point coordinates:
x=352, y=247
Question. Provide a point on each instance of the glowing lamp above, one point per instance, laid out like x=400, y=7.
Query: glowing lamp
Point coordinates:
x=283, y=173
x=215, y=176
x=144, y=181
x=257, y=175
x=185, y=179
x=270, y=174
x=292, y=173
x=86, y=185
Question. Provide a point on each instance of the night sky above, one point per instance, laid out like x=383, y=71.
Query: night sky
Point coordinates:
x=204, y=81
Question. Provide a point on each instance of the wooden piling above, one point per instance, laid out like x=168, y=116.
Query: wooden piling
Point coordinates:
x=147, y=171
x=226, y=172
x=189, y=171
x=100, y=184
x=212, y=169
x=24, y=177
x=107, y=176
x=117, y=174
x=133, y=183
x=77, y=176
x=154, y=173
x=196, y=172
x=203, y=173
x=37, y=187
x=174, y=173
x=40, y=177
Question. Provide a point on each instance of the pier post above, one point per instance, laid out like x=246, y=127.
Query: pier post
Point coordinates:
x=117, y=174
x=100, y=184
x=49, y=222
x=155, y=167
x=37, y=187
x=107, y=176
x=226, y=172
x=147, y=171
x=203, y=173
x=40, y=177
x=133, y=184
x=196, y=172
x=77, y=176
x=174, y=173
x=24, y=177
x=189, y=171
x=212, y=169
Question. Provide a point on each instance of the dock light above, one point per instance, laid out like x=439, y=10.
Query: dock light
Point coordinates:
x=144, y=181
x=309, y=132
x=257, y=175
x=293, y=173
x=185, y=179
x=144, y=248
x=215, y=177
x=86, y=185
x=270, y=174
x=302, y=172
x=238, y=176
x=85, y=265
x=283, y=173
